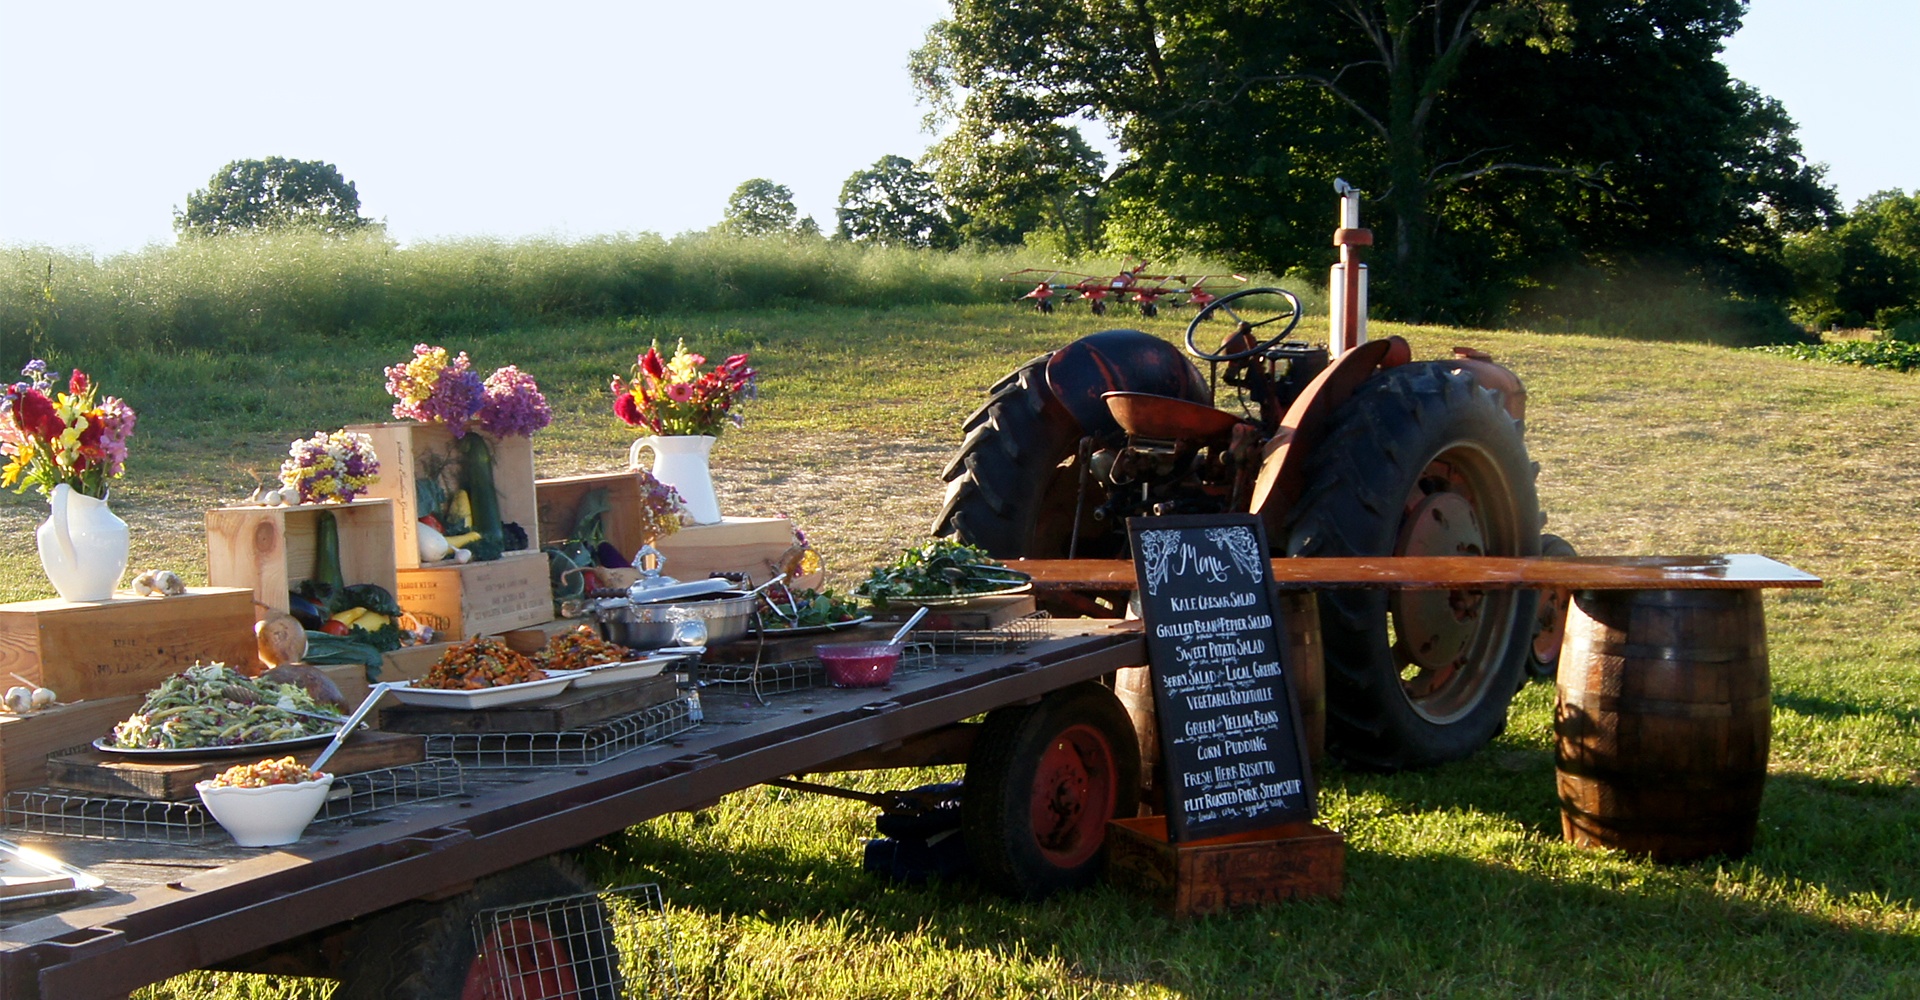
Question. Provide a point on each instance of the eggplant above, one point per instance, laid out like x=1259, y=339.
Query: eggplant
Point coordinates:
x=312, y=616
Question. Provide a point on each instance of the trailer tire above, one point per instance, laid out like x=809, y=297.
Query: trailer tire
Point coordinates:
x=1421, y=461
x=1041, y=785
x=426, y=951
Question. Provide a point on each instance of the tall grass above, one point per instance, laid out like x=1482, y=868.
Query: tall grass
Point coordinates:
x=243, y=293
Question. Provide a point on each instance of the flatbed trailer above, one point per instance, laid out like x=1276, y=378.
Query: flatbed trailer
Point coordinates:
x=168, y=910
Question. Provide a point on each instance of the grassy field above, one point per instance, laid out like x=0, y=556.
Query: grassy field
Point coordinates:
x=1458, y=884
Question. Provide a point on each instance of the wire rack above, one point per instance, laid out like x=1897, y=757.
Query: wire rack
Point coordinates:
x=1005, y=637
x=788, y=676
x=55, y=813
x=608, y=945
x=601, y=741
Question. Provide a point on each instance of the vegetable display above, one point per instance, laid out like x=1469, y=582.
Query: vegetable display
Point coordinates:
x=940, y=568
x=214, y=705
x=807, y=609
x=480, y=663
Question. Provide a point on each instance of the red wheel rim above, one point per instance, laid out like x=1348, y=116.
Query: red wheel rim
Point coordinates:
x=1074, y=789
x=521, y=961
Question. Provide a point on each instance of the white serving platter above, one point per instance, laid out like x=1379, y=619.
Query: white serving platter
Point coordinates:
x=605, y=674
x=555, y=682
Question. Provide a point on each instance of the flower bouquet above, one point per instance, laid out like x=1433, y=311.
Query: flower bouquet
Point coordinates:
x=330, y=468
x=677, y=398
x=68, y=445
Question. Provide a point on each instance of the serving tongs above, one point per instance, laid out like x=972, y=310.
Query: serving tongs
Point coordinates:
x=346, y=728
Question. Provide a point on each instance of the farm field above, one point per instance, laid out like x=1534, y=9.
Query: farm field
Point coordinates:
x=1458, y=884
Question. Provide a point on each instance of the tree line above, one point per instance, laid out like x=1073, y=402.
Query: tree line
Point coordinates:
x=1523, y=159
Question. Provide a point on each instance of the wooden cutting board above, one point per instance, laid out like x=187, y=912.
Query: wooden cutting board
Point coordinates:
x=570, y=709
x=98, y=773
x=977, y=615
x=786, y=648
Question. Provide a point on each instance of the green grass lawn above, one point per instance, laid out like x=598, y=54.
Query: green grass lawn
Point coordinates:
x=1458, y=884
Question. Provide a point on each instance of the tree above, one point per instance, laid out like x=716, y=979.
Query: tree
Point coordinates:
x=759, y=207
x=1498, y=139
x=1864, y=271
x=269, y=194
x=1008, y=181
x=893, y=203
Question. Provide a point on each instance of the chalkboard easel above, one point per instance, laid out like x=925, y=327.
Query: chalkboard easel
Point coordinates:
x=1233, y=753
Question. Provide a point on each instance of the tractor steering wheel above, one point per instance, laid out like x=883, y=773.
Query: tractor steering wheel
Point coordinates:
x=1225, y=304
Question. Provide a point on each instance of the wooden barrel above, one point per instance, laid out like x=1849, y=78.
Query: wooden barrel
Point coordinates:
x=1662, y=722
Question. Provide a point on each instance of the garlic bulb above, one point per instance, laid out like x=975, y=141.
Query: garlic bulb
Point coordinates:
x=19, y=700
x=43, y=698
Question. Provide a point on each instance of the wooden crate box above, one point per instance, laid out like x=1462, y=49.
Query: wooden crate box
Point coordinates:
x=272, y=549
x=751, y=545
x=127, y=644
x=1294, y=861
x=27, y=740
x=407, y=452
x=481, y=598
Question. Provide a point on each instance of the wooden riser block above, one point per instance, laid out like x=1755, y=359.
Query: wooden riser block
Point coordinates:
x=409, y=451
x=535, y=639
x=481, y=598
x=27, y=740
x=570, y=709
x=756, y=546
x=1295, y=861
x=978, y=615
x=783, y=649
x=98, y=773
x=124, y=645
x=271, y=550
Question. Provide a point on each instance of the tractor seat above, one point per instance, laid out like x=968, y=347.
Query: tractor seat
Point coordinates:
x=1165, y=418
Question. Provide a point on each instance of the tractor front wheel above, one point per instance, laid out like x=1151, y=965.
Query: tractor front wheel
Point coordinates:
x=1420, y=462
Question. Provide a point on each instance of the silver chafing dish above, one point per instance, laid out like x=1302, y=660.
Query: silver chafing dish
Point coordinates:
x=660, y=611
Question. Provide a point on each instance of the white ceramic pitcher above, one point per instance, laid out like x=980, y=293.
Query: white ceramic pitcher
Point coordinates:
x=680, y=461
x=83, y=546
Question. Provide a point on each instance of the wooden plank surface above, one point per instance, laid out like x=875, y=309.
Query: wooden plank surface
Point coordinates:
x=27, y=740
x=570, y=709
x=1732, y=572
x=100, y=773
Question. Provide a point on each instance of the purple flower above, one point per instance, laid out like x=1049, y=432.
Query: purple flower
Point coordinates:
x=514, y=405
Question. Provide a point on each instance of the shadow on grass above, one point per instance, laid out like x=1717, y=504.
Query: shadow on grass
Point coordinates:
x=1828, y=708
x=1551, y=921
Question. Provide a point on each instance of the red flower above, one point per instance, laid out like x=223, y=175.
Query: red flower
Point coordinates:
x=78, y=385
x=35, y=414
x=651, y=364
x=626, y=409
x=90, y=438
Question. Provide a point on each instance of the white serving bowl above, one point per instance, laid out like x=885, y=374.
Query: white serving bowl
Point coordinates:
x=269, y=816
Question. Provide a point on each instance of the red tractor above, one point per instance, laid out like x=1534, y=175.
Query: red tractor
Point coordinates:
x=1360, y=451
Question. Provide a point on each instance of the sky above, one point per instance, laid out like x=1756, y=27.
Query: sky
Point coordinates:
x=578, y=118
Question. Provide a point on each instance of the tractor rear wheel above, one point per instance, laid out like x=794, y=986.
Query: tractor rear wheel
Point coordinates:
x=1013, y=486
x=1420, y=462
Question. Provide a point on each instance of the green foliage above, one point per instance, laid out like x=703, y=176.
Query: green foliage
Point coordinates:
x=1506, y=139
x=759, y=208
x=1008, y=181
x=271, y=194
x=1652, y=305
x=893, y=204
x=1891, y=355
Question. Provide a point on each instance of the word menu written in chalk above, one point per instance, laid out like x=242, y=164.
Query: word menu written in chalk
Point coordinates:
x=1232, y=753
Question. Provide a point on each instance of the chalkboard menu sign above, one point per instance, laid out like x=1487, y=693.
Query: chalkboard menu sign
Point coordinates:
x=1233, y=757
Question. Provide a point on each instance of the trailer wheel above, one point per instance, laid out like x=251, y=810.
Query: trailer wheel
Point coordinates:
x=1422, y=462
x=429, y=951
x=1041, y=785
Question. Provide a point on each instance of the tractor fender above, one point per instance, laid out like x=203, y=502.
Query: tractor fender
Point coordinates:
x=1081, y=373
x=1495, y=378
x=1283, y=465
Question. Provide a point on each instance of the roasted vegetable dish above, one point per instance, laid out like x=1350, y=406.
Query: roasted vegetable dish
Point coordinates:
x=480, y=663
x=213, y=705
x=579, y=649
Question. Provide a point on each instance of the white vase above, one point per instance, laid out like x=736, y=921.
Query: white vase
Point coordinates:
x=83, y=546
x=680, y=461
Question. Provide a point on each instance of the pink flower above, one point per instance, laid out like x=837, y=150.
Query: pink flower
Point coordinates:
x=680, y=392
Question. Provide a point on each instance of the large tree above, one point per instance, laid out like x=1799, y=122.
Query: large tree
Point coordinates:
x=759, y=207
x=1498, y=139
x=274, y=193
x=893, y=203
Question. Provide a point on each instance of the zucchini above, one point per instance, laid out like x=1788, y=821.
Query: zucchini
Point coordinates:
x=326, y=556
x=478, y=474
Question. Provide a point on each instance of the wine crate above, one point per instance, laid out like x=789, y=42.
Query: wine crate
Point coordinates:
x=125, y=644
x=480, y=598
x=1196, y=877
x=271, y=550
x=755, y=546
x=27, y=740
x=409, y=451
